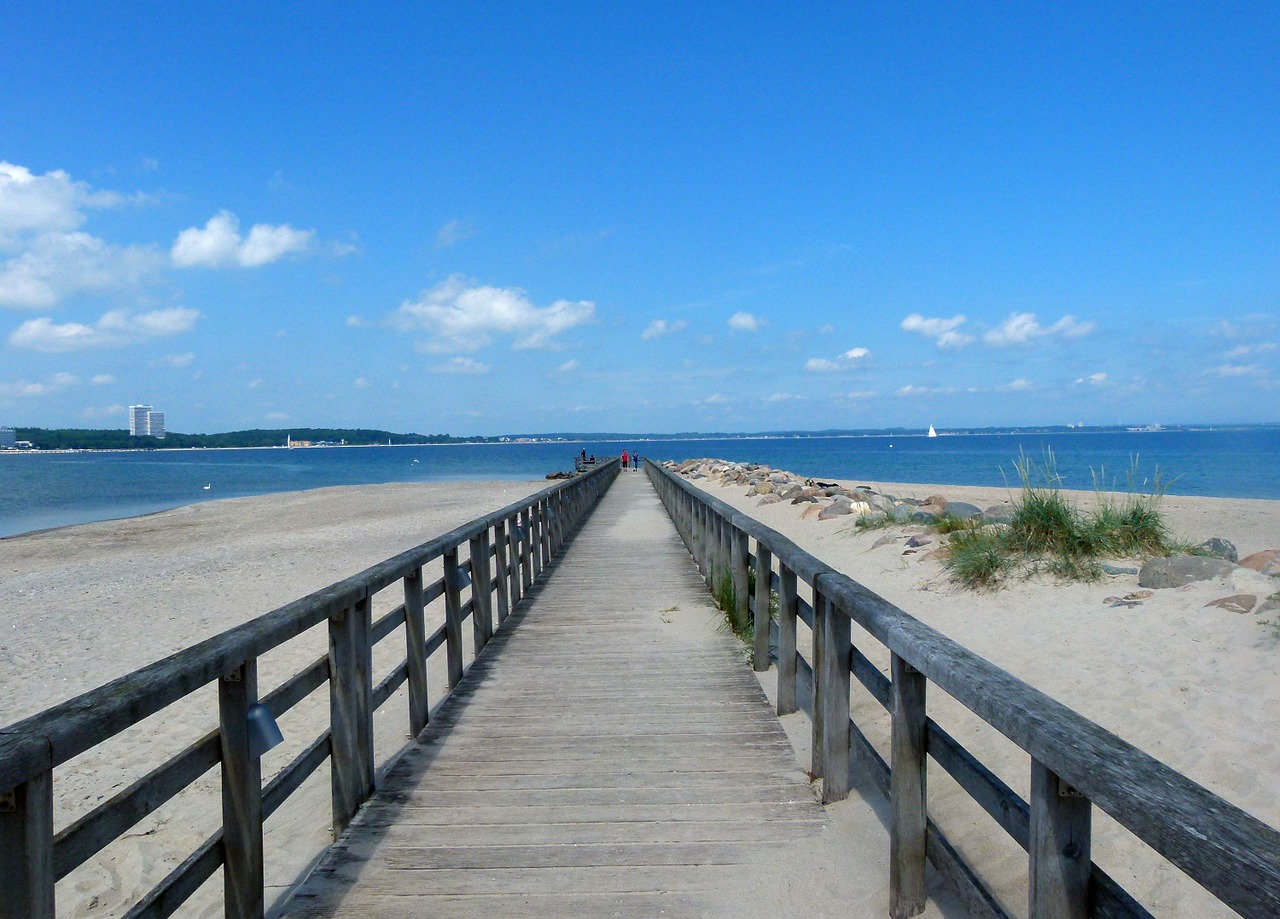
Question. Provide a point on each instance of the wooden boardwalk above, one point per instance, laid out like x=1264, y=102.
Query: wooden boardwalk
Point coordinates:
x=608, y=755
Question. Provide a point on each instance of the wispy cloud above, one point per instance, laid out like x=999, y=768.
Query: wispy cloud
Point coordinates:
x=218, y=243
x=115, y=329
x=942, y=332
x=913, y=390
x=1023, y=329
x=1235, y=370
x=1022, y=384
x=783, y=397
x=1093, y=379
x=745, y=322
x=568, y=366
x=845, y=361
x=103, y=379
x=463, y=365
x=30, y=388
x=452, y=233
x=660, y=327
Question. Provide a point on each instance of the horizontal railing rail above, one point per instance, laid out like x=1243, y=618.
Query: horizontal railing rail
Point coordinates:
x=506, y=553
x=1075, y=763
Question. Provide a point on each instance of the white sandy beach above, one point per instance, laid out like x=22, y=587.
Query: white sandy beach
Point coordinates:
x=86, y=604
x=1194, y=686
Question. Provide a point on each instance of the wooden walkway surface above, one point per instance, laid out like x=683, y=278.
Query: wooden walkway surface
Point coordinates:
x=608, y=755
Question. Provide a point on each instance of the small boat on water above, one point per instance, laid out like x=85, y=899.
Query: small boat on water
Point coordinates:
x=932, y=432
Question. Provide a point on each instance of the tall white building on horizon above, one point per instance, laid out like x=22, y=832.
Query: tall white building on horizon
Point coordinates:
x=143, y=422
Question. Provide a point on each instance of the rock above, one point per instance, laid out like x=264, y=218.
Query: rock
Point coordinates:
x=937, y=501
x=999, y=513
x=768, y=499
x=834, y=510
x=791, y=491
x=903, y=514
x=1259, y=560
x=916, y=542
x=761, y=488
x=1126, y=604
x=804, y=499
x=842, y=499
x=1139, y=595
x=929, y=511
x=962, y=510
x=1272, y=568
x=1237, y=603
x=884, y=541
x=879, y=502
x=1109, y=568
x=1217, y=547
x=813, y=510
x=1176, y=572
x=921, y=515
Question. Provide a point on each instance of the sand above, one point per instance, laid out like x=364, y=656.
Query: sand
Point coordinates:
x=1194, y=686
x=86, y=604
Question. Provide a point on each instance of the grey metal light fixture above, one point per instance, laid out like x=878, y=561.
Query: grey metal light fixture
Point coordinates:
x=264, y=733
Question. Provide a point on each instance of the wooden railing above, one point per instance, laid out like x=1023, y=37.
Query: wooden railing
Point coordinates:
x=506, y=553
x=1075, y=764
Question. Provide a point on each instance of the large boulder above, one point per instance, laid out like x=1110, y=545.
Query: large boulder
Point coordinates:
x=838, y=509
x=962, y=510
x=1177, y=572
x=1217, y=547
x=768, y=499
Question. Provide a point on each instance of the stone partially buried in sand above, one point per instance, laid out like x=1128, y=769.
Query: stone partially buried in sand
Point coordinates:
x=1259, y=560
x=1176, y=572
x=1237, y=603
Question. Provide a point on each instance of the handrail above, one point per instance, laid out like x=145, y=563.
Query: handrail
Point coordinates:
x=1075, y=762
x=507, y=551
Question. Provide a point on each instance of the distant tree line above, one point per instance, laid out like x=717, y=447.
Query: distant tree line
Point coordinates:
x=86, y=439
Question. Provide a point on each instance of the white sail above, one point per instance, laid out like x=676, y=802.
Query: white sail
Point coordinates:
x=932, y=432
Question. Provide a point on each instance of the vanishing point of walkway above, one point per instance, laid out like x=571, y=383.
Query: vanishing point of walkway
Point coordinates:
x=610, y=754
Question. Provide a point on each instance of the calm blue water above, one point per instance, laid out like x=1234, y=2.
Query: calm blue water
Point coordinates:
x=39, y=491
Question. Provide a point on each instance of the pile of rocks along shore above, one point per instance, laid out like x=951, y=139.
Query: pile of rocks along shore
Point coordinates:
x=827, y=500
x=1214, y=558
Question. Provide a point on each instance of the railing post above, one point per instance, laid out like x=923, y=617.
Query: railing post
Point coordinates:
x=819, y=700
x=453, y=616
x=500, y=565
x=526, y=551
x=350, y=711
x=788, y=603
x=760, y=613
x=513, y=548
x=242, y=870
x=544, y=532
x=415, y=640
x=908, y=791
x=26, y=841
x=481, y=591
x=536, y=522
x=834, y=712
x=738, y=552
x=1061, y=847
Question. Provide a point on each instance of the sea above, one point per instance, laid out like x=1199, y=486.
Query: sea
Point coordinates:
x=44, y=490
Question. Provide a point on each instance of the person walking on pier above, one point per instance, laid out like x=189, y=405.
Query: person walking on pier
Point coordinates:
x=625, y=456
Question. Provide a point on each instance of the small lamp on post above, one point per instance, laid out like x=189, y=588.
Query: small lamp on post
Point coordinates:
x=264, y=733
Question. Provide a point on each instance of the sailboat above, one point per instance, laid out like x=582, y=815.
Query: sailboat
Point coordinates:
x=932, y=432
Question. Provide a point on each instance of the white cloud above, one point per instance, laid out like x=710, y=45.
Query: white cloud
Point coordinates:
x=114, y=330
x=912, y=390
x=453, y=233
x=745, y=322
x=179, y=361
x=846, y=361
x=660, y=327
x=461, y=365
x=943, y=332
x=1235, y=370
x=1246, y=350
x=37, y=204
x=462, y=316
x=56, y=383
x=1022, y=384
x=1093, y=379
x=568, y=367
x=862, y=394
x=219, y=243
x=54, y=266
x=715, y=399
x=783, y=397
x=1022, y=329
x=103, y=379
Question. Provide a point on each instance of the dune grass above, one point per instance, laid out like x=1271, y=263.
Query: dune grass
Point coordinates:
x=1050, y=533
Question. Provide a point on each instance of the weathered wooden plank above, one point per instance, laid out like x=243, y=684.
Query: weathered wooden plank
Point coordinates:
x=26, y=850
x=503, y=570
x=386, y=624
x=908, y=795
x=350, y=712
x=243, y=870
x=1060, y=847
x=453, y=616
x=786, y=641
x=481, y=591
x=389, y=684
x=415, y=638
x=760, y=610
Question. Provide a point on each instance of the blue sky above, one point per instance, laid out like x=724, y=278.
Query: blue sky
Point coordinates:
x=484, y=218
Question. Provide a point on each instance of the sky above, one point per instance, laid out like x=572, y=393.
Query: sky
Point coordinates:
x=498, y=218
